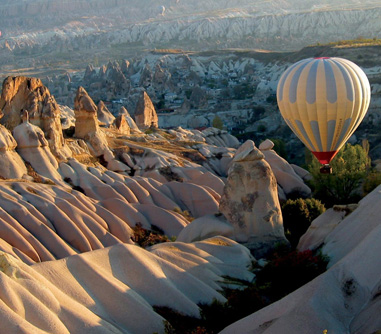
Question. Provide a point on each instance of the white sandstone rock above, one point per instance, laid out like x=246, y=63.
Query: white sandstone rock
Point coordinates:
x=250, y=200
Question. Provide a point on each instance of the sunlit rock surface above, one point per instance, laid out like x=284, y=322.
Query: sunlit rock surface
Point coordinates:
x=86, y=120
x=12, y=166
x=22, y=93
x=34, y=149
x=145, y=113
x=250, y=200
x=287, y=178
x=113, y=290
x=346, y=298
x=104, y=114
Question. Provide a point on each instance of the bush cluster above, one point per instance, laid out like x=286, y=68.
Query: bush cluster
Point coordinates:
x=285, y=272
x=186, y=214
x=298, y=215
x=145, y=238
x=350, y=167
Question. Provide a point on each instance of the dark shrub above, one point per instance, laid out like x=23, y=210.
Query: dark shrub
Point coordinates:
x=372, y=180
x=287, y=272
x=350, y=167
x=298, y=215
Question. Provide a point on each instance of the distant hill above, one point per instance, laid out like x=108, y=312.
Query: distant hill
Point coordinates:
x=281, y=24
x=35, y=14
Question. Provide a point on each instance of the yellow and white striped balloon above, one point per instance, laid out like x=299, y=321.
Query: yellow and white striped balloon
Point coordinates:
x=323, y=100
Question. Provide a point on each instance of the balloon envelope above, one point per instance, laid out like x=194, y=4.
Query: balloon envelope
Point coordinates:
x=323, y=100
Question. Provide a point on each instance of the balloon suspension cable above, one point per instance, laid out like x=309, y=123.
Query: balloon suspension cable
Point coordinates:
x=326, y=169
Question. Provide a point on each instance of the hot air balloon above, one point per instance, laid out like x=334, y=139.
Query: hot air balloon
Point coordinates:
x=323, y=100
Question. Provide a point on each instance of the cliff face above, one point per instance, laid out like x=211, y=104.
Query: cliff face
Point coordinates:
x=22, y=93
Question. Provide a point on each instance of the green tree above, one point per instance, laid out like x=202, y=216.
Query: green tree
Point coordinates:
x=217, y=122
x=350, y=167
x=298, y=215
x=372, y=180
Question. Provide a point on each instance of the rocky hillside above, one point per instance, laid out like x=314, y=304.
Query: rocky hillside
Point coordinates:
x=49, y=33
x=346, y=298
x=58, y=12
x=233, y=87
x=84, y=202
x=271, y=31
x=98, y=189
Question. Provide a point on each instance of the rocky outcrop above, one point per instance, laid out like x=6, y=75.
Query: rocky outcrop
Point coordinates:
x=104, y=115
x=125, y=67
x=121, y=125
x=131, y=123
x=344, y=299
x=323, y=225
x=86, y=120
x=87, y=128
x=250, y=201
x=205, y=227
x=67, y=117
x=290, y=182
x=220, y=138
x=114, y=77
x=11, y=166
x=184, y=108
x=34, y=149
x=108, y=83
x=90, y=74
x=161, y=79
x=22, y=93
x=145, y=113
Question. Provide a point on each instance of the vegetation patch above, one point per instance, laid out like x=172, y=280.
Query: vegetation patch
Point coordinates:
x=350, y=168
x=360, y=41
x=298, y=215
x=288, y=270
x=194, y=156
x=31, y=190
x=146, y=238
x=186, y=214
x=31, y=172
x=285, y=272
x=169, y=174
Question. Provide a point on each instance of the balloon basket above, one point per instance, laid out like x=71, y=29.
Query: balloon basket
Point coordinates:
x=326, y=169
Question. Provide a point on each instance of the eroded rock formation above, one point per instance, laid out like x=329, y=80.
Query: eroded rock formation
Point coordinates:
x=133, y=127
x=86, y=120
x=345, y=298
x=33, y=148
x=287, y=178
x=87, y=128
x=11, y=166
x=250, y=200
x=145, y=113
x=22, y=93
x=104, y=115
x=83, y=293
x=121, y=125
